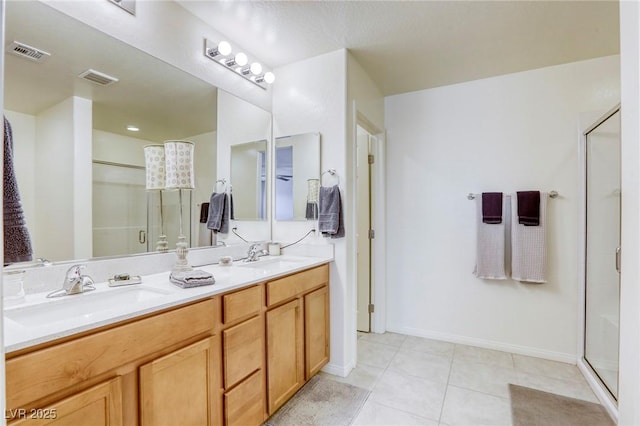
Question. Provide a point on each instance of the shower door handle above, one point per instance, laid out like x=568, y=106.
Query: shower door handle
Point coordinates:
x=618, y=259
x=142, y=236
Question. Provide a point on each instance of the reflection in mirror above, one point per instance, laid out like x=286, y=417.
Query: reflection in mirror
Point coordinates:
x=297, y=177
x=249, y=180
x=80, y=171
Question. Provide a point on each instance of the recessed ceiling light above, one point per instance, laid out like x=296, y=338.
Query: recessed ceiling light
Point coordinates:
x=133, y=128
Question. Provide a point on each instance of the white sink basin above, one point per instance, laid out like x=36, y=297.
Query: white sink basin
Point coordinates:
x=271, y=264
x=80, y=306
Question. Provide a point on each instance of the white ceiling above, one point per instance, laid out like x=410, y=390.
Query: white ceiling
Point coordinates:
x=412, y=45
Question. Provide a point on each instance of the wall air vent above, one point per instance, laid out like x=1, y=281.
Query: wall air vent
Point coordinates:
x=97, y=77
x=27, y=52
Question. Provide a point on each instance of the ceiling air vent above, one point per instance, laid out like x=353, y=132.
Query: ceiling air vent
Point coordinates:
x=27, y=52
x=97, y=77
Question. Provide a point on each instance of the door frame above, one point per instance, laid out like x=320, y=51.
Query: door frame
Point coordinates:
x=378, y=220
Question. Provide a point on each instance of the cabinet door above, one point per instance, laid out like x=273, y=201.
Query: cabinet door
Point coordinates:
x=316, y=326
x=285, y=353
x=182, y=388
x=96, y=406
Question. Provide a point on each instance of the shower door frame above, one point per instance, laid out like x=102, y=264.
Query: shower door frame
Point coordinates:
x=593, y=379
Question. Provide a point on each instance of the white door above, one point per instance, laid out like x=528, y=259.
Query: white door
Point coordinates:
x=363, y=210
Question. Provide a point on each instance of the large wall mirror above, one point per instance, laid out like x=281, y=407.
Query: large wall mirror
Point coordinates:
x=297, y=177
x=80, y=170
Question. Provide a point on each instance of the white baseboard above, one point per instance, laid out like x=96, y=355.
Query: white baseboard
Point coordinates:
x=603, y=395
x=488, y=344
x=338, y=370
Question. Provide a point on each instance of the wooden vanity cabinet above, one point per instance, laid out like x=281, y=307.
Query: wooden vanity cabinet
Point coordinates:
x=297, y=325
x=232, y=360
x=243, y=356
x=144, y=356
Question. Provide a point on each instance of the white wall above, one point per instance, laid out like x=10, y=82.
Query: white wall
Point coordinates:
x=365, y=107
x=63, y=161
x=310, y=96
x=120, y=149
x=241, y=122
x=507, y=133
x=629, y=386
x=205, y=175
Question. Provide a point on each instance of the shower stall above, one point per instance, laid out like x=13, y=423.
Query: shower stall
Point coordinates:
x=602, y=196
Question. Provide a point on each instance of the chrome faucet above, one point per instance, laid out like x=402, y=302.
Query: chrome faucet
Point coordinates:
x=254, y=252
x=74, y=282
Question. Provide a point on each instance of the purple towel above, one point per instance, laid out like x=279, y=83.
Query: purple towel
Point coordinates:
x=17, y=243
x=492, y=208
x=529, y=208
x=204, y=212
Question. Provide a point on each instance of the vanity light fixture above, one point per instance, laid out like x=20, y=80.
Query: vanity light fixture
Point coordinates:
x=133, y=128
x=222, y=53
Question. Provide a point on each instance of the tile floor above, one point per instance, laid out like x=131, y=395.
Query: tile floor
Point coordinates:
x=416, y=381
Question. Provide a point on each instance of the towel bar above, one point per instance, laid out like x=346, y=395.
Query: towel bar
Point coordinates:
x=552, y=194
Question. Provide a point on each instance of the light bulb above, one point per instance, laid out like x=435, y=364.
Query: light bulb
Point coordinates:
x=224, y=48
x=241, y=59
x=269, y=77
x=256, y=68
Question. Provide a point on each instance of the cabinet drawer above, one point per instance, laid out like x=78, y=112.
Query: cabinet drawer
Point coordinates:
x=241, y=304
x=244, y=405
x=293, y=285
x=243, y=350
x=43, y=372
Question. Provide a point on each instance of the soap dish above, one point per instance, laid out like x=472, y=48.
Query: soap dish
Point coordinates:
x=133, y=279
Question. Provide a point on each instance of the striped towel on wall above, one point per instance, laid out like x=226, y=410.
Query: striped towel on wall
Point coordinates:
x=529, y=246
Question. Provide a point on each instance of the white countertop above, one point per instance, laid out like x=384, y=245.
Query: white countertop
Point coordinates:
x=40, y=319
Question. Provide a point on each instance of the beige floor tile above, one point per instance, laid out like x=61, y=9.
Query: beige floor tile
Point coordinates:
x=375, y=354
x=414, y=395
x=466, y=407
x=420, y=364
x=483, y=356
x=578, y=389
x=421, y=344
x=391, y=339
x=545, y=367
x=482, y=377
x=373, y=413
x=363, y=376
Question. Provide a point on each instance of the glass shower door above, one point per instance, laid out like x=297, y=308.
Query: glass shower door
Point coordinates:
x=119, y=209
x=602, y=284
